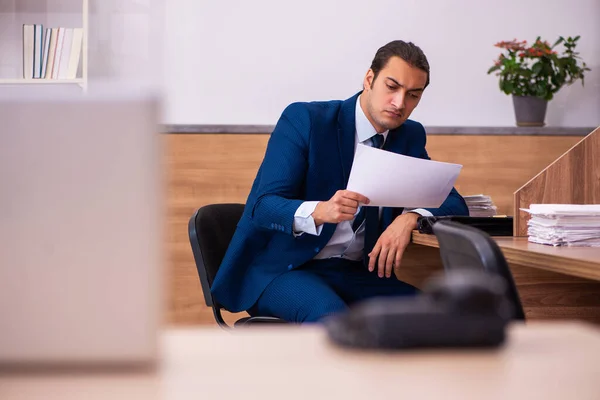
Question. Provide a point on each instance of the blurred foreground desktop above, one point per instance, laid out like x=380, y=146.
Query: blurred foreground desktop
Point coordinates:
x=81, y=223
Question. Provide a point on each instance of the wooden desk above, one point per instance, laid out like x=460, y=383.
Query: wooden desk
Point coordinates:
x=553, y=283
x=540, y=361
x=583, y=262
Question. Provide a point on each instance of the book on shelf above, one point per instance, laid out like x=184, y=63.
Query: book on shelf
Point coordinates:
x=51, y=54
x=37, y=51
x=46, y=51
x=28, y=51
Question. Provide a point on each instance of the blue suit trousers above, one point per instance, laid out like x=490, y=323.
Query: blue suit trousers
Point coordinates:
x=321, y=288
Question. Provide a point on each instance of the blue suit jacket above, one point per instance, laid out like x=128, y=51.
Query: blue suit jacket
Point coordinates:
x=308, y=157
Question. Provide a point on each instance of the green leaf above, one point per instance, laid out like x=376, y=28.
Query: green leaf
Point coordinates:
x=494, y=68
x=559, y=41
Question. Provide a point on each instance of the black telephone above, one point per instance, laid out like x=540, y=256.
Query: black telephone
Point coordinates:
x=462, y=308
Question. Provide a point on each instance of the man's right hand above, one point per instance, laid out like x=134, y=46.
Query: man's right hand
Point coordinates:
x=341, y=207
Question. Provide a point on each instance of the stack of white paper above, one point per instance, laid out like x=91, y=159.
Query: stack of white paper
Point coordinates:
x=480, y=205
x=564, y=224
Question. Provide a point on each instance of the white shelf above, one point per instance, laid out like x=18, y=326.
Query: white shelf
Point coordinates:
x=40, y=81
x=46, y=5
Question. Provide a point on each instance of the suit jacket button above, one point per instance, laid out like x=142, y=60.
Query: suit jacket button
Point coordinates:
x=317, y=249
x=290, y=266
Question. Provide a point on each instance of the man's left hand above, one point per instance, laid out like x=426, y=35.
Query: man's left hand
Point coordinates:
x=387, y=252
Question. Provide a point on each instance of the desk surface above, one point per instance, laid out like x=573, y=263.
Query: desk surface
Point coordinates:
x=538, y=361
x=583, y=262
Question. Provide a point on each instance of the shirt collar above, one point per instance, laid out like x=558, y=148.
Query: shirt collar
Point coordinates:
x=364, y=129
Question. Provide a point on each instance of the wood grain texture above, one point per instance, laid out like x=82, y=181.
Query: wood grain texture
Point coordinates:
x=583, y=262
x=202, y=169
x=215, y=168
x=497, y=165
x=545, y=295
x=551, y=285
x=574, y=178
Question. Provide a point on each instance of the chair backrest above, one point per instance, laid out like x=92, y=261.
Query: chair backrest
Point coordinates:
x=210, y=230
x=463, y=246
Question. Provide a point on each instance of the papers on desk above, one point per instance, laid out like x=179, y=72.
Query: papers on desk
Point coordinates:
x=393, y=180
x=480, y=205
x=564, y=224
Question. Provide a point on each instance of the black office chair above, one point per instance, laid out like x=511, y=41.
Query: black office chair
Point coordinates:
x=463, y=246
x=210, y=230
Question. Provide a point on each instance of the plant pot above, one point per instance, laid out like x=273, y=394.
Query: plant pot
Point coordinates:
x=530, y=110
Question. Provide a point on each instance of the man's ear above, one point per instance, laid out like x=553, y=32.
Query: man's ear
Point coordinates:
x=368, y=82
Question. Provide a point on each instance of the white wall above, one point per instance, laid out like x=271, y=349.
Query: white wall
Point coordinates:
x=242, y=62
x=126, y=40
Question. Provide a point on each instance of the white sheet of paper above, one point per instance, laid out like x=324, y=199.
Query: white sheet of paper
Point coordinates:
x=392, y=180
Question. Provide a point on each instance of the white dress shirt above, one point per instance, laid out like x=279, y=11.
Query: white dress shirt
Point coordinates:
x=344, y=243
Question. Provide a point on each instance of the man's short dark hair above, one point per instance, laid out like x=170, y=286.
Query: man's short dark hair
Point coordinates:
x=409, y=52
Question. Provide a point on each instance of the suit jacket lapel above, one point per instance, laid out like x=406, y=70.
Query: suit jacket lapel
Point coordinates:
x=394, y=141
x=347, y=134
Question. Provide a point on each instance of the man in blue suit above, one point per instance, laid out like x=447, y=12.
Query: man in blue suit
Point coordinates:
x=305, y=247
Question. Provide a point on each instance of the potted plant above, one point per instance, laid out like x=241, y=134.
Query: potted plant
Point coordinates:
x=532, y=74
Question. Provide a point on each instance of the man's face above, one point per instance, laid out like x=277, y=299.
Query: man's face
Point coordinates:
x=389, y=100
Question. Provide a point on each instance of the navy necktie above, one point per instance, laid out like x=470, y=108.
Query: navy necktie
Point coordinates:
x=377, y=141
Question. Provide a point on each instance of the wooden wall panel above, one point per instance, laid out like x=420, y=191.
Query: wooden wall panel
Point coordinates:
x=211, y=168
x=201, y=169
x=497, y=165
x=574, y=178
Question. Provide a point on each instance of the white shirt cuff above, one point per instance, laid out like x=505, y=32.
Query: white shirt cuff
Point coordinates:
x=421, y=211
x=303, y=220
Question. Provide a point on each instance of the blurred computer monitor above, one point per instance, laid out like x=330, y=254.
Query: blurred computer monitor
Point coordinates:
x=81, y=208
